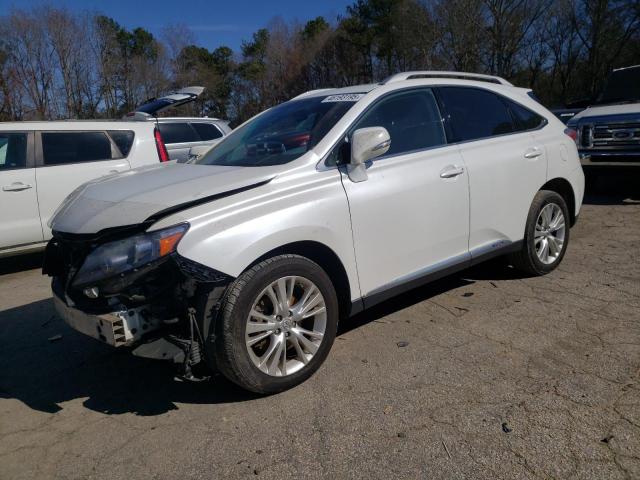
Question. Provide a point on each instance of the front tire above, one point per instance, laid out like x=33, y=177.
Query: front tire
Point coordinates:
x=276, y=324
x=546, y=235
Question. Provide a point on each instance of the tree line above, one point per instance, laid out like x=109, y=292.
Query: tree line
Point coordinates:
x=55, y=63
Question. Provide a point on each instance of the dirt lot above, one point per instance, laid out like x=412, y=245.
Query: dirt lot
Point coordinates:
x=503, y=377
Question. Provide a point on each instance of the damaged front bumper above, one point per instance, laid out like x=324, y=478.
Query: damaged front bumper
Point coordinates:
x=151, y=308
x=118, y=329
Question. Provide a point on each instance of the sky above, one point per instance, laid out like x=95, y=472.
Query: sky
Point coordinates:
x=213, y=22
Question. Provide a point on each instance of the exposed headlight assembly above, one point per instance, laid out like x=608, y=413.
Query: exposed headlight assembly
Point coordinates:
x=117, y=257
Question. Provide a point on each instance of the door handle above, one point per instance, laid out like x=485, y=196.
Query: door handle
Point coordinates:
x=532, y=153
x=16, y=187
x=451, y=171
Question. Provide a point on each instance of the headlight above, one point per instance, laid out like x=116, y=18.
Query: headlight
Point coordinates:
x=118, y=257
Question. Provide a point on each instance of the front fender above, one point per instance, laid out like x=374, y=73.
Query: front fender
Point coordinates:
x=235, y=235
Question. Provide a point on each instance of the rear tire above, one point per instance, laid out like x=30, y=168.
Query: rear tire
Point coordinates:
x=276, y=324
x=546, y=235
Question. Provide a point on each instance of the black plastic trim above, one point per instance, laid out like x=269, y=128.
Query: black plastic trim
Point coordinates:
x=381, y=296
x=199, y=272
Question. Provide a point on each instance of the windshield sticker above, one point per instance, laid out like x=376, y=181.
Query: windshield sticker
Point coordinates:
x=344, y=97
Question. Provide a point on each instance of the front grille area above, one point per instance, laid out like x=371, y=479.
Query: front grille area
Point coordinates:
x=619, y=135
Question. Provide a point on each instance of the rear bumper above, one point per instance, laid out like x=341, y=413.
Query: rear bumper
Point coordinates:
x=121, y=328
x=610, y=158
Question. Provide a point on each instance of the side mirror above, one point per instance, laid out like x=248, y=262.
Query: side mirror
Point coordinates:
x=196, y=152
x=366, y=144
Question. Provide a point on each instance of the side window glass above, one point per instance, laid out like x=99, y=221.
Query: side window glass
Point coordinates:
x=13, y=151
x=123, y=139
x=475, y=113
x=412, y=119
x=206, y=131
x=59, y=148
x=525, y=118
x=178, y=133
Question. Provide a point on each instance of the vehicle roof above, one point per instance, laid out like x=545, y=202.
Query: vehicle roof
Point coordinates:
x=366, y=88
x=415, y=78
x=73, y=125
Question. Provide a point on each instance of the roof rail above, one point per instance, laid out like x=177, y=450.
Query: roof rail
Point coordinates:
x=625, y=68
x=479, y=77
x=311, y=92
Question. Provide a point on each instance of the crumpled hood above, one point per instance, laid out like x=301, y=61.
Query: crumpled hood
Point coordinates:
x=606, y=110
x=131, y=197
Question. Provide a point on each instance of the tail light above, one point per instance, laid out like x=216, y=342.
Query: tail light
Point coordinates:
x=162, y=150
x=299, y=140
x=571, y=133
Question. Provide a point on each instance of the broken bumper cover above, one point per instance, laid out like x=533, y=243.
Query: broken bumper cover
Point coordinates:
x=117, y=329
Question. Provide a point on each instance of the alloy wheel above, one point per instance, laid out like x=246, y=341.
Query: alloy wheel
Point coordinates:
x=549, y=233
x=286, y=325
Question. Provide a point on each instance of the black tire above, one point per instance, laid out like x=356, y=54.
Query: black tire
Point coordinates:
x=527, y=259
x=227, y=351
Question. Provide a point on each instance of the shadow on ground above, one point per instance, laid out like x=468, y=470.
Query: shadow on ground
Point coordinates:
x=44, y=371
x=612, y=186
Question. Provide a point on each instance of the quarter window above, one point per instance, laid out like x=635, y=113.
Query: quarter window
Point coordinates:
x=475, y=113
x=411, y=118
x=13, y=150
x=178, y=133
x=525, y=118
x=206, y=131
x=59, y=148
x=123, y=139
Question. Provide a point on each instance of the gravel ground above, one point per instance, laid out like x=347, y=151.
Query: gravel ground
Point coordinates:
x=503, y=377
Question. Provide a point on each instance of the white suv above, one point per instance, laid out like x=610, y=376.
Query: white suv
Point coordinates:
x=244, y=260
x=42, y=162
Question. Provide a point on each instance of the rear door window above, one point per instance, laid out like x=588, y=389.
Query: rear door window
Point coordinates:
x=474, y=113
x=178, y=132
x=59, y=148
x=207, y=131
x=123, y=139
x=13, y=151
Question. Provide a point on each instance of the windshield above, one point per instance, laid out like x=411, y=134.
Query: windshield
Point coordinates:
x=282, y=134
x=622, y=86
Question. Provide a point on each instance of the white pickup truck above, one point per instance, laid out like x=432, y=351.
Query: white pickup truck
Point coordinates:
x=608, y=132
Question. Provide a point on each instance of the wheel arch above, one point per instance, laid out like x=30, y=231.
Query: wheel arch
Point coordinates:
x=563, y=188
x=327, y=259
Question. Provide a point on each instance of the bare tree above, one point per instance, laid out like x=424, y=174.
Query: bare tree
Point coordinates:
x=32, y=60
x=605, y=28
x=510, y=25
